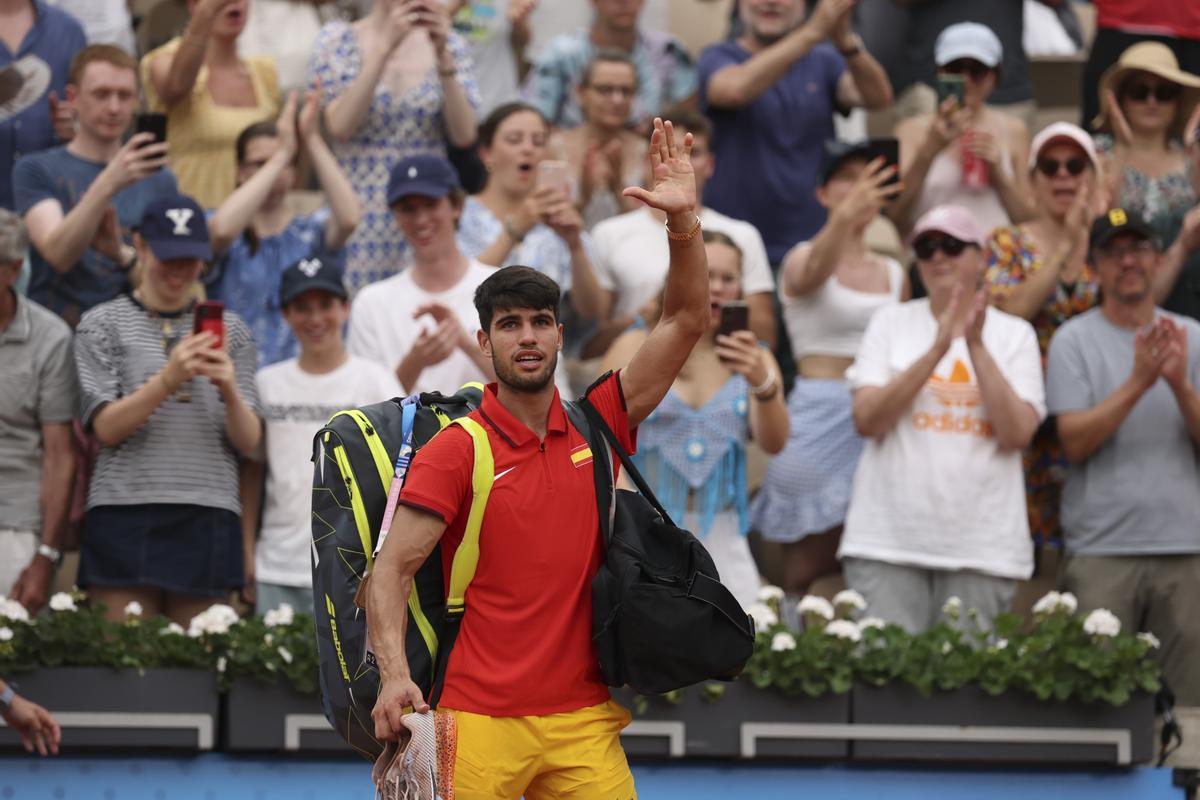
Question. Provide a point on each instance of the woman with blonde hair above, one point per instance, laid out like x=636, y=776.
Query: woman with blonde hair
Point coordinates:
x=1147, y=101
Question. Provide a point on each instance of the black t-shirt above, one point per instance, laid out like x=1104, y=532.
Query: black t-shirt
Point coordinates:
x=1185, y=297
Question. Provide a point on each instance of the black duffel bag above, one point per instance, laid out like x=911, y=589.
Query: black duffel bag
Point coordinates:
x=661, y=618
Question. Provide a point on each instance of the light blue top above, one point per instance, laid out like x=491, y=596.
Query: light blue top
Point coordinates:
x=700, y=452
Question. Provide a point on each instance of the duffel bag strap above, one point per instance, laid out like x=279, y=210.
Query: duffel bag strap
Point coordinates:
x=466, y=557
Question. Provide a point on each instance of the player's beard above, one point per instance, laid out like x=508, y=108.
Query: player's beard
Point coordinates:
x=528, y=383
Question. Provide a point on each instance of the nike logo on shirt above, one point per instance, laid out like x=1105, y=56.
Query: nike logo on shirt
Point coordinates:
x=500, y=475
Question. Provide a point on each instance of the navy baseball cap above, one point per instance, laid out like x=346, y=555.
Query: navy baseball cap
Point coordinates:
x=426, y=176
x=175, y=227
x=310, y=274
x=834, y=153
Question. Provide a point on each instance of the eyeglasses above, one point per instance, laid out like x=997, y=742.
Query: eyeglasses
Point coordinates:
x=967, y=66
x=927, y=246
x=1051, y=166
x=1139, y=248
x=610, y=89
x=1163, y=92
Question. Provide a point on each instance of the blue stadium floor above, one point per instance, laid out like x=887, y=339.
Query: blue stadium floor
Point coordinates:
x=219, y=777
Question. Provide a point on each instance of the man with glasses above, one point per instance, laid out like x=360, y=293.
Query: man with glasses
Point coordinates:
x=948, y=392
x=1121, y=383
x=665, y=72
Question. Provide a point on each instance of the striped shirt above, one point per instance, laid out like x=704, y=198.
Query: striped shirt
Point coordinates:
x=181, y=453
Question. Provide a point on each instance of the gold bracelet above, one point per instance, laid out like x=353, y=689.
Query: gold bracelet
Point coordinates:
x=683, y=237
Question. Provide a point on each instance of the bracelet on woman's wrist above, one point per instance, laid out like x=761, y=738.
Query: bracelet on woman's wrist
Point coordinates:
x=512, y=231
x=766, y=390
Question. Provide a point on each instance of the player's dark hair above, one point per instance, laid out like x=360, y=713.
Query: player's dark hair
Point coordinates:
x=512, y=288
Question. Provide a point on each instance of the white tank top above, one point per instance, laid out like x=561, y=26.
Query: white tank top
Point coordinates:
x=830, y=320
x=943, y=185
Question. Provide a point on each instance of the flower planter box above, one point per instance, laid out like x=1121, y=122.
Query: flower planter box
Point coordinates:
x=746, y=722
x=105, y=708
x=270, y=716
x=971, y=725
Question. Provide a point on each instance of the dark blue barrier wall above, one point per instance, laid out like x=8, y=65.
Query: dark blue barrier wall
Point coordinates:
x=219, y=777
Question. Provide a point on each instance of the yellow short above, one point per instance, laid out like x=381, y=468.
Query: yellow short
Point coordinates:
x=575, y=754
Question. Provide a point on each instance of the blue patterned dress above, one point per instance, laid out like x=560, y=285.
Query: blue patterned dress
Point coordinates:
x=395, y=127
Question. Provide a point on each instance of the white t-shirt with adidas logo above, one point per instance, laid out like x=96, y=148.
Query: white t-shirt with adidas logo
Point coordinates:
x=938, y=491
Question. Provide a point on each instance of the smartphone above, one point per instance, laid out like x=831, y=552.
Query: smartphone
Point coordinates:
x=889, y=148
x=556, y=174
x=735, y=316
x=210, y=316
x=951, y=86
x=152, y=123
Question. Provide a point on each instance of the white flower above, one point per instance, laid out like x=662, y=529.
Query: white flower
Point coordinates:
x=783, y=641
x=62, y=601
x=871, y=622
x=222, y=662
x=770, y=594
x=1001, y=644
x=1102, y=622
x=1146, y=636
x=763, y=617
x=133, y=609
x=172, y=629
x=285, y=654
x=6, y=634
x=279, y=616
x=953, y=607
x=11, y=609
x=268, y=639
x=844, y=629
x=215, y=619
x=946, y=648
x=1053, y=602
x=1068, y=602
x=849, y=599
x=819, y=606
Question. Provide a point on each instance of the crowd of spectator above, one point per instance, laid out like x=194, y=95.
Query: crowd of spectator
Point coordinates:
x=1018, y=377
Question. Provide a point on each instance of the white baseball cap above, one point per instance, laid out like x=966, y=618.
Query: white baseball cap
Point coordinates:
x=1063, y=131
x=968, y=40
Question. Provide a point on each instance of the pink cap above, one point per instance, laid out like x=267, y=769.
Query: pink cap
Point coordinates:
x=1063, y=131
x=954, y=220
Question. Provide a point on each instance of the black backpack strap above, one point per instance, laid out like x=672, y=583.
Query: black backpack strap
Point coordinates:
x=635, y=475
x=602, y=467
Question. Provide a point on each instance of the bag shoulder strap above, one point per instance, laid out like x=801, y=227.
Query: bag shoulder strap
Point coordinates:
x=602, y=471
x=466, y=557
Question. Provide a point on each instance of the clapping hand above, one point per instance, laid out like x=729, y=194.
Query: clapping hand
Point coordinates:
x=674, y=189
x=285, y=126
x=1174, y=363
x=831, y=19
x=741, y=352
x=1122, y=133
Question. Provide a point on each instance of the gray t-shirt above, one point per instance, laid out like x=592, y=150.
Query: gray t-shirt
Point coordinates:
x=181, y=454
x=38, y=388
x=1139, y=493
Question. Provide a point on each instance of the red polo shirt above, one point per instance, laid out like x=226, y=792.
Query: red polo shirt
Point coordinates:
x=525, y=646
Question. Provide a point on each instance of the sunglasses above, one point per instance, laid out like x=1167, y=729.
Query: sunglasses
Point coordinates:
x=1050, y=166
x=969, y=67
x=927, y=246
x=1163, y=92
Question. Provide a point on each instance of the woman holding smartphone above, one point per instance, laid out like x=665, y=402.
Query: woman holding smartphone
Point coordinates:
x=524, y=215
x=396, y=83
x=173, y=410
x=692, y=449
x=256, y=236
x=965, y=152
x=209, y=94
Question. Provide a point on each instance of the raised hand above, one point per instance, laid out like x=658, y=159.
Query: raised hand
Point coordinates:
x=308, y=123
x=1122, y=133
x=1174, y=363
x=136, y=159
x=62, y=117
x=285, y=126
x=950, y=323
x=1149, y=352
x=674, y=189
x=868, y=195
x=433, y=17
x=948, y=124
x=829, y=18
x=741, y=352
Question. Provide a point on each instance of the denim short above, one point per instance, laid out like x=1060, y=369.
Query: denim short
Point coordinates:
x=185, y=549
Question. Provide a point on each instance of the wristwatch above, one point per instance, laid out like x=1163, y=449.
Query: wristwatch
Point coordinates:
x=6, y=698
x=53, y=553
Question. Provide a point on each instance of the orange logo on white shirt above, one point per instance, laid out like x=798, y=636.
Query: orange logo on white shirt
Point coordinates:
x=959, y=389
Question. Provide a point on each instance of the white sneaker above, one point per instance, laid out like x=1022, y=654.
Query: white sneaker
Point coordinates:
x=421, y=765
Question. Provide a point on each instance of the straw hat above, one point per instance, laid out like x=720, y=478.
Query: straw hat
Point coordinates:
x=1157, y=59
